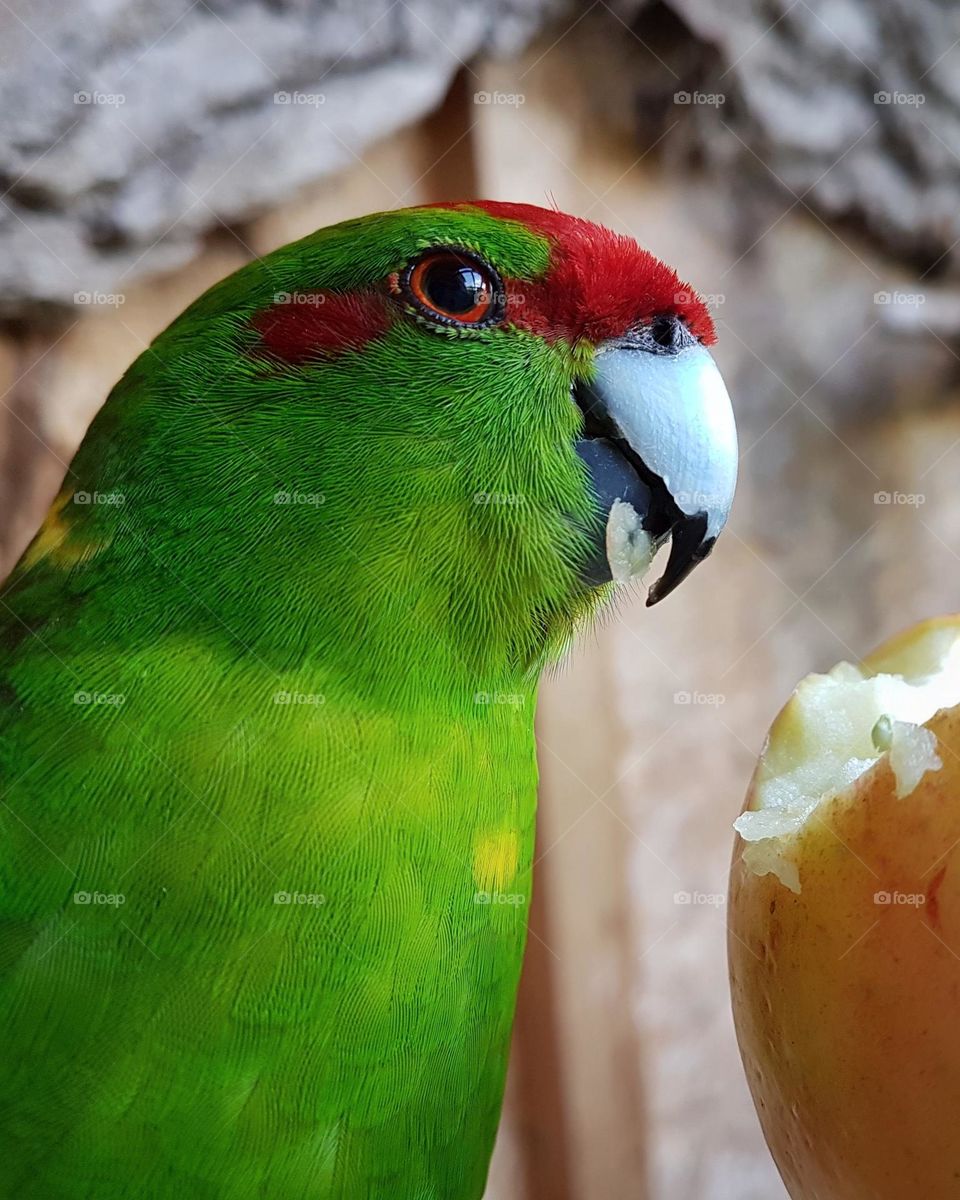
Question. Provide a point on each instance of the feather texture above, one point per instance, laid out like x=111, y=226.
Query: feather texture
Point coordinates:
x=266, y=740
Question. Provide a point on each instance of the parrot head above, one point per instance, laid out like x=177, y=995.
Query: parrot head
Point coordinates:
x=469, y=415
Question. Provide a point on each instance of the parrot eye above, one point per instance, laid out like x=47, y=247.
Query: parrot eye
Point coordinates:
x=454, y=287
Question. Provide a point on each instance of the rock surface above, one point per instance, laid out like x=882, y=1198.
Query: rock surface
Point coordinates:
x=850, y=106
x=154, y=121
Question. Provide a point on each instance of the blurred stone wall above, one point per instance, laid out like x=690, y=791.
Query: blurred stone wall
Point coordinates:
x=129, y=129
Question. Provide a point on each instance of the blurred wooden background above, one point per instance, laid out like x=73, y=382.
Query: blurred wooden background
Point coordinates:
x=625, y=1080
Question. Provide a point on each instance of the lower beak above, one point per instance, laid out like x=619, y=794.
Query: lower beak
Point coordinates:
x=660, y=444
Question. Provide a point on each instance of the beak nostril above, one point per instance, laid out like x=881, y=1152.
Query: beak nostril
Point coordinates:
x=666, y=332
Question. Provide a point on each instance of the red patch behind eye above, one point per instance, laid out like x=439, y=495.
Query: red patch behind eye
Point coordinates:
x=321, y=324
x=600, y=284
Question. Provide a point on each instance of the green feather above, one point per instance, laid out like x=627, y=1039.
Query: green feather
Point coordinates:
x=331, y=698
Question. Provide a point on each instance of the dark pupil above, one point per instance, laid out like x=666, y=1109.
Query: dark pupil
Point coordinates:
x=454, y=287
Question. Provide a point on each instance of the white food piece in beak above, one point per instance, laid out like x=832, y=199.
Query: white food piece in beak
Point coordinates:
x=630, y=549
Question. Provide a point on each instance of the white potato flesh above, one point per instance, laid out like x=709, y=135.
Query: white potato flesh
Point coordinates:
x=838, y=726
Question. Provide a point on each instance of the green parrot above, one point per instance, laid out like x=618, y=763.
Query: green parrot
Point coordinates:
x=269, y=670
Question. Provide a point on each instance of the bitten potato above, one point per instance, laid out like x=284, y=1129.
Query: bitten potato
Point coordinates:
x=844, y=927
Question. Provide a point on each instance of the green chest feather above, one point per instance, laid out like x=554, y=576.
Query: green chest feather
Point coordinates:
x=257, y=944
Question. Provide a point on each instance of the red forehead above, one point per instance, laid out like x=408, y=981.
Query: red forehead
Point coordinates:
x=600, y=284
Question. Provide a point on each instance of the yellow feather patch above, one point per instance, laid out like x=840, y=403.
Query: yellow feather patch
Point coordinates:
x=53, y=539
x=496, y=856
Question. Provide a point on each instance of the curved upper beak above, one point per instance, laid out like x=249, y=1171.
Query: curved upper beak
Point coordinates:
x=659, y=435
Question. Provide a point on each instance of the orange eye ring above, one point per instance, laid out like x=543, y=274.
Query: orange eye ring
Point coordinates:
x=452, y=286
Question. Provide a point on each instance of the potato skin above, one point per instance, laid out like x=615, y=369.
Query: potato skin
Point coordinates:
x=847, y=1009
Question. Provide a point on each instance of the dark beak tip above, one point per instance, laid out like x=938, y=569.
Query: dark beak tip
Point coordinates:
x=688, y=548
